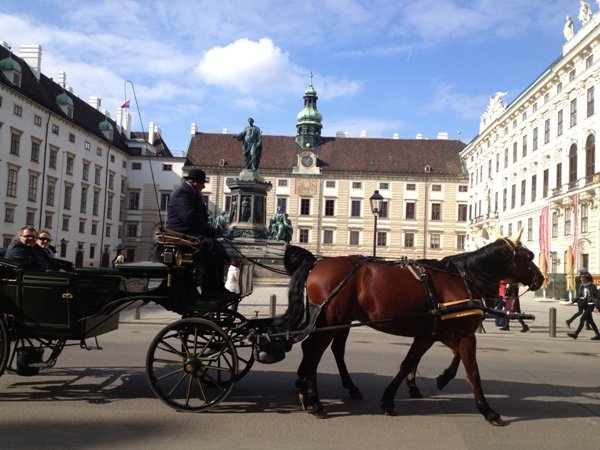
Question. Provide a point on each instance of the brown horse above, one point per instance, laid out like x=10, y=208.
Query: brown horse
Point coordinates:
x=435, y=303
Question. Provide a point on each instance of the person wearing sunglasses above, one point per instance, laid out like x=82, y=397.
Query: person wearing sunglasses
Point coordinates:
x=43, y=240
x=25, y=251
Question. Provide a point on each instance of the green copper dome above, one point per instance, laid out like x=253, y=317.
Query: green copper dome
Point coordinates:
x=64, y=100
x=105, y=125
x=10, y=64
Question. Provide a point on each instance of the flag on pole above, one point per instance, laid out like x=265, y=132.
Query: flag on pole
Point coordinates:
x=125, y=105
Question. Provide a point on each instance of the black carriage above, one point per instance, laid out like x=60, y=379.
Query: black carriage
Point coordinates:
x=192, y=364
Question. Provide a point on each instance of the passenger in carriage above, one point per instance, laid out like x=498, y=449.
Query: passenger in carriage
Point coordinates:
x=25, y=251
x=187, y=213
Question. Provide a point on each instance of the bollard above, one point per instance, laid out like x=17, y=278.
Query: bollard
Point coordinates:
x=273, y=304
x=136, y=314
x=552, y=322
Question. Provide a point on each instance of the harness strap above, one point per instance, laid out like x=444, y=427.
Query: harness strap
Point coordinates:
x=338, y=288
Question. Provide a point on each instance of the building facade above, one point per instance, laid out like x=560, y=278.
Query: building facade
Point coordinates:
x=66, y=165
x=534, y=163
x=324, y=185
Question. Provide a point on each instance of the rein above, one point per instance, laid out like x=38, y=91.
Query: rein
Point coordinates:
x=253, y=260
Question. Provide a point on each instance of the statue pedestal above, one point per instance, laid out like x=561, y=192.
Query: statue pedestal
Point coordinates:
x=247, y=217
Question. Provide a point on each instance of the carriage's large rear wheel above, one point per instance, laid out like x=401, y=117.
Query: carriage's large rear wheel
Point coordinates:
x=191, y=364
x=4, y=345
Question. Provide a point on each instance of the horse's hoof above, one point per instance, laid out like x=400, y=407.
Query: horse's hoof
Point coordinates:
x=414, y=392
x=319, y=413
x=497, y=422
x=302, y=403
x=355, y=394
x=389, y=412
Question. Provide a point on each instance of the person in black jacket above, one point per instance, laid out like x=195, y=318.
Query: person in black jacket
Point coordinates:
x=25, y=251
x=188, y=214
x=587, y=299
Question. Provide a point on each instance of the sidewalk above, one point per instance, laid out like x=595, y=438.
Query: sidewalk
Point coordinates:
x=258, y=304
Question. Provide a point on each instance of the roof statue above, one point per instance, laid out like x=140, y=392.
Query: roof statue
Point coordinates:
x=585, y=13
x=568, y=29
x=494, y=110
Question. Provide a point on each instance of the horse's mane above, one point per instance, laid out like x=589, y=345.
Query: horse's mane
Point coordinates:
x=482, y=267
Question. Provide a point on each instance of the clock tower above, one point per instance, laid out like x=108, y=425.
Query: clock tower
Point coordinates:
x=309, y=123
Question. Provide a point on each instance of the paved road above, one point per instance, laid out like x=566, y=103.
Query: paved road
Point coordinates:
x=547, y=389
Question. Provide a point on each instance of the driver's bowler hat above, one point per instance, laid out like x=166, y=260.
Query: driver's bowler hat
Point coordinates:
x=196, y=174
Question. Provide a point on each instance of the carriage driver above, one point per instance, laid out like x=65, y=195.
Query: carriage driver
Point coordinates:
x=188, y=214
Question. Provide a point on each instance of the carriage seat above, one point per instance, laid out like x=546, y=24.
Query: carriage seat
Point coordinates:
x=2, y=252
x=167, y=237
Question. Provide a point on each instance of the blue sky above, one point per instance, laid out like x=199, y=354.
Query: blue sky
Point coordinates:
x=383, y=66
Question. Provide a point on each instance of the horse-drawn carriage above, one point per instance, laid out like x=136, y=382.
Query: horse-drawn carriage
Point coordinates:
x=193, y=363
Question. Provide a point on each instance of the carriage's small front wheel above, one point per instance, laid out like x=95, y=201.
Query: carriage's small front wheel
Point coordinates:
x=191, y=364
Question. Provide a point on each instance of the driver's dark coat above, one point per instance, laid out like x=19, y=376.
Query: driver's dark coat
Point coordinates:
x=187, y=212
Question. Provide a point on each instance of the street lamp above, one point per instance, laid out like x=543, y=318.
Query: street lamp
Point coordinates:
x=63, y=247
x=375, y=200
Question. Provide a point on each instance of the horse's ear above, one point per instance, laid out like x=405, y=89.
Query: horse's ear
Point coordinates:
x=494, y=235
x=516, y=239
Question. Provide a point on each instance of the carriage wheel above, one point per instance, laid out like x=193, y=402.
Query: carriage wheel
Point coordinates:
x=4, y=345
x=230, y=320
x=191, y=364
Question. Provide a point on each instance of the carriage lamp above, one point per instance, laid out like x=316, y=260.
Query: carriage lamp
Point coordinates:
x=375, y=201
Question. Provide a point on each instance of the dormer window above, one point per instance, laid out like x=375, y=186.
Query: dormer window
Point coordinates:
x=65, y=103
x=11, y=70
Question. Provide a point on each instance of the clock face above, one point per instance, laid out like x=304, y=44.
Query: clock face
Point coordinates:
x=307, y=161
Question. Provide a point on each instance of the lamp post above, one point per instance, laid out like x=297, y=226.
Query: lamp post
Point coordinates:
x=63, y=247
x=375, y=201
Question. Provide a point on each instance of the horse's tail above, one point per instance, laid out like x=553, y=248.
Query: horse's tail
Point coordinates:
x=294, y=257
x=299, y=261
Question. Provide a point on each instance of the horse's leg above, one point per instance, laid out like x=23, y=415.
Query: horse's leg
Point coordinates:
x=313, y=348
x=467, y=348
x=450, y=373
x=442, y=380
x=418, y=348
x=338, y=347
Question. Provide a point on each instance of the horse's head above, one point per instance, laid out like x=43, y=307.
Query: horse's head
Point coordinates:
x=522, y=268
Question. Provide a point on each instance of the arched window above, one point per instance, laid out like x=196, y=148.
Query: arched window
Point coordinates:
x=590, y=156
x=572, y=164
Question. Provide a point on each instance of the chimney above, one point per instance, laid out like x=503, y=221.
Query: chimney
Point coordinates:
x=62, y=78
x=151, y=133
x=442, y=135
x=5, y=45
x=341, y=134
x=396, y=136
x=363, y=133
x=32, y=55
x=94, y=101
x=224, y=130
x=419, y=136
x=193, y=129
x=124, y=122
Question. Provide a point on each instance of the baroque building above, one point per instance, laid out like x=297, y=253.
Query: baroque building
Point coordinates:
x=324, y=184
x=69, y=168
x=534, y=164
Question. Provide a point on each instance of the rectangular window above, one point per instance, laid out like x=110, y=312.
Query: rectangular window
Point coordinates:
x=37, y=120
x=109, y=206
x=70, y=164
x=381, y=239
x=411, y=187
x=164, y=201
x=462, y=213
x=35, y=151
x=355, y=208
x=32, y=188
x=303, y=236
x=409, y=240
x=504, y=199
x=65, y=223
x=559, y=88
x=281, y=203
x=434, y=240
x=568, y=222
x=97, y=175
x=92, y=249
x=329, y=208
x=460, y=241
x=48, y=221
x=383, y=209
x=523, y=191
x=505, y=158
x=136, y=166
x=436, y=188
x=547, y=131
x=82, y=226
x=559, y=175
x=572, y=74
x=356, y=185
x=329, y=184
x=9, y=214
x=589, y=61
x=107, y=231
x=11, y=185
x=30, y=218
x=71, y=138
x=354, y=237
x=167, y=167
x=67, y=197
x=15, y=143
x=87, y=146
x=534, y=140
x=132, y=230
x=436, y=211
x=410, y=210
x=590, y=101
x=83, y=204
x=463, y=188
x=530, y=229
x=96, y=203
x=533, y=187
x=584, y=218
x=282, y=182
x=53, y=158
x=328, y=237
x=384, y=186
x=573, y=113
x=515, y=152
x=559, y=123
x=85, y=173
x=524, y=145
x=304, y=206
x=18, y=110
x=513, y=196
x=55, y=129
x=134, y=200
x=554, y=224
x=50, y=193
x=545, y=183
